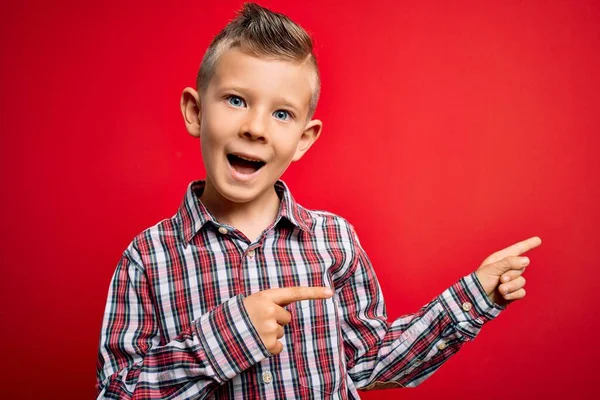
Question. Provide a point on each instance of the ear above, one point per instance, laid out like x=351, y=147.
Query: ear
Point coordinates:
x=191, y=109
x=311, y=133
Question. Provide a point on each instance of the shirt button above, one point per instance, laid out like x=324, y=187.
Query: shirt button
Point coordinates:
x=442, y=345
x=467, y=306
x=267, y=377
x=223, y=230
x=251, y=253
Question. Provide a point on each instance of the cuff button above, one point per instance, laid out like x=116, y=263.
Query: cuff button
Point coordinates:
x=466, y=306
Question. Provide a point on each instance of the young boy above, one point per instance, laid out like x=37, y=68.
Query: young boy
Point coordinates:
x=245, y=294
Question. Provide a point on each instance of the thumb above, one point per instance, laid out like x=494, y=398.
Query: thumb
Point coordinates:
x=506, y=264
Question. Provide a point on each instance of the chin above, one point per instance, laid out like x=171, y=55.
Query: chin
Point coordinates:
x=238, y=193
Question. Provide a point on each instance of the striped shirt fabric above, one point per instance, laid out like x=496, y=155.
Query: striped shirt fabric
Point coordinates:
x=175, y=326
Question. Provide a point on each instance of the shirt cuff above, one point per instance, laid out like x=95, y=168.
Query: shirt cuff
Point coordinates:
x=230, y=340
x=469, y=306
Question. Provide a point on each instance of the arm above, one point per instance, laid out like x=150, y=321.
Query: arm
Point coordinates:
x=133, y=363
x=405, y=352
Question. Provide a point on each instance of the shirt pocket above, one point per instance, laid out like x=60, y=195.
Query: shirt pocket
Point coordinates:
x=316, y=346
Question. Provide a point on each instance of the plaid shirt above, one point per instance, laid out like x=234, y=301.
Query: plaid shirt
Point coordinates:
x=175, y=326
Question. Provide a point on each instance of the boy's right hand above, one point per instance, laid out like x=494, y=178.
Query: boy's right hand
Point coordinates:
x=265, y=309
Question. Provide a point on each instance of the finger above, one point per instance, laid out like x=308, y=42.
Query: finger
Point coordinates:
x=515, y=249
x=510, y=263
x=278, y=348
x=512, y=286
x=512, y=274
x=285, y=296
x=282, y=316
x=519, y=294
x=280, y=332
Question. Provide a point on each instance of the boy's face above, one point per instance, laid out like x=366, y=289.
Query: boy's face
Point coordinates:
x=254, y=108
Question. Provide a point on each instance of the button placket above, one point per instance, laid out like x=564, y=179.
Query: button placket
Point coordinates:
x=267, y=377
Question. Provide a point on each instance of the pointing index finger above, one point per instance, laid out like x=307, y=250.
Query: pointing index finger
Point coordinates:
x=517, y=249
x=285, y=296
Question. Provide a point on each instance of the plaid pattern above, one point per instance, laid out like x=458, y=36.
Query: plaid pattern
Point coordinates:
x=175, y=326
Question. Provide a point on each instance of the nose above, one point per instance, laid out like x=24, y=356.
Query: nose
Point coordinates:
x=255, y=126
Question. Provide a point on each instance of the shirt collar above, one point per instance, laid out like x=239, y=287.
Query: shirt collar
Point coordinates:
x=193, y=215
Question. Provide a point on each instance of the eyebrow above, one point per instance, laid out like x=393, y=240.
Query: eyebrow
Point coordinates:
x=287, y=103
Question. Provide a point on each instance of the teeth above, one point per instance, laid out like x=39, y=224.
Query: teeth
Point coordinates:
x=247, y=159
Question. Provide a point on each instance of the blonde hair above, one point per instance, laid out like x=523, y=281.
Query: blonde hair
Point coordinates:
x=261, y=33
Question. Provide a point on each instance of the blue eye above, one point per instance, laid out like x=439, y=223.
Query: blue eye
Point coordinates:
x=236, y=101
x=282, y=115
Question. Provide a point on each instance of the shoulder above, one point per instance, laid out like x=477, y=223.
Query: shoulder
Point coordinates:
x=327, y=224
x=147, y=245
x=322, y=217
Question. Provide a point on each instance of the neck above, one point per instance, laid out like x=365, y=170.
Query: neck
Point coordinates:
x=251, y=217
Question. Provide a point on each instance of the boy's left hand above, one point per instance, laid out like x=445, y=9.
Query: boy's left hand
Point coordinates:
x=500, y=273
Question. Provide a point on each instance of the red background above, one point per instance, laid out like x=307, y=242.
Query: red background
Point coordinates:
x=450, y=132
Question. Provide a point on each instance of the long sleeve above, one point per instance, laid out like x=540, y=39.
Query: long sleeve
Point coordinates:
x=405, y=352
x=135, y=363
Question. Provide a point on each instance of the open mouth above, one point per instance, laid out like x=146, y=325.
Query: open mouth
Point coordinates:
x=244, y=165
